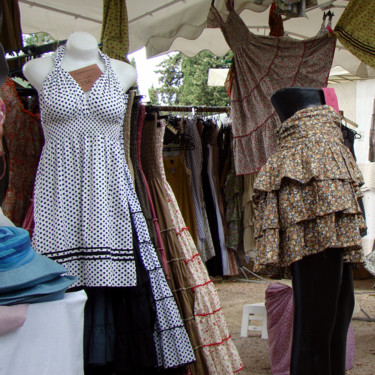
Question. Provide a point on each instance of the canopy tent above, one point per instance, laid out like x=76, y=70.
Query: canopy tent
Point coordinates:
x=178, y=25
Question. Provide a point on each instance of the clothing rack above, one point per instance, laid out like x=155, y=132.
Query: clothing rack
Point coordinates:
x=33, y=50
x=193, y=109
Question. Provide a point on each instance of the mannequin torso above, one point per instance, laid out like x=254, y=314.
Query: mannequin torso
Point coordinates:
x=81, y=51
x=290, y=100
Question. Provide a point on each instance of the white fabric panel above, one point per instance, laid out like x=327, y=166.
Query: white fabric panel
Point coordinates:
x=217, y=77
x=56, y=22
x=169, y=25
x=49, y=342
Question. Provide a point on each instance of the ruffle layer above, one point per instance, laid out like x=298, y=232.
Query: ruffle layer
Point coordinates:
x=336, y=230
x=219, y=350
x=296, y=202
x=317, y=159
x=169, y=325
x=173, y=342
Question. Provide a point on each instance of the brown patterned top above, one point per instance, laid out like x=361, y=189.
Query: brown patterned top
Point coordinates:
x=307, y=194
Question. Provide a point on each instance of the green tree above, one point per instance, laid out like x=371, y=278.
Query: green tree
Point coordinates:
x=37, y=39
x=183, y=80
x=153, y=95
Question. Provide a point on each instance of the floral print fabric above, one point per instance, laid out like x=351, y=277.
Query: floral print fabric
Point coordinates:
x=24, y=140
x=307, y=194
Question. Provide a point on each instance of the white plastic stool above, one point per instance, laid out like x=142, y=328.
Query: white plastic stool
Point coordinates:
x=255, y=311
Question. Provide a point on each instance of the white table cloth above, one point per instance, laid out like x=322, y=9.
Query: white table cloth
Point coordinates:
x=49, y=342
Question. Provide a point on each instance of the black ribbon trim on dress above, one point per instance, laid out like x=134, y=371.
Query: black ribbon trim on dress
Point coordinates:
x=84, y=249
x=355, y=41
x=169, y=329
x=83, y=257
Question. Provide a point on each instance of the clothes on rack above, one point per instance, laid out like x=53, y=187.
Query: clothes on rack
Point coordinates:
x=194, y=163
x=179, y=276
x=219, y=351
x=178, y=176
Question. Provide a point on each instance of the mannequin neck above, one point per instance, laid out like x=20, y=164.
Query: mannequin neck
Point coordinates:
x=81, y=50
x=290, y=100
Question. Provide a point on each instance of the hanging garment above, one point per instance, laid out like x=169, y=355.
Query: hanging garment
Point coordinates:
x=219, y=222
x=85, y=202
x=233, y=213
x=371, y=155
x=194, y=163
x=263, y=65
x=119, y=327
x=24, y=141
x=178, y=177
x=11, y=33
x=214, y=265
x=248, y=216
x=179, y=277
x=80, y=184
x=115, y=35
x=356, y=30
x=138, y=115
x=220, y=354
x=307, y=193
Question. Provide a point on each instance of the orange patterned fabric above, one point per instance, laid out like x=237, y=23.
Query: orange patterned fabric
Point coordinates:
x=23, y=136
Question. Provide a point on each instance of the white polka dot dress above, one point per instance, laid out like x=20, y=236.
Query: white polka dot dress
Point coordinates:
x=81, y=212
x=85, y=203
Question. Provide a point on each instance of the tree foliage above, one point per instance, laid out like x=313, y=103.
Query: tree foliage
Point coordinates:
x=183, y=80
x=37, y=39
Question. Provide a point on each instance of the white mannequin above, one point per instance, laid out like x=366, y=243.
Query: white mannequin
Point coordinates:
x=81, y=51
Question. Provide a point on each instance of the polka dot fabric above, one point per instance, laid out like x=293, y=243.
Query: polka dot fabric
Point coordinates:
x=82, y=217
x=85, y=203
x=172, y=342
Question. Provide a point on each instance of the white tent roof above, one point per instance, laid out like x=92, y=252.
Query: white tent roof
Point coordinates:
x=176, y=25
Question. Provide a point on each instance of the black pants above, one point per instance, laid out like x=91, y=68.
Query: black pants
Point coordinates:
x=323, y=306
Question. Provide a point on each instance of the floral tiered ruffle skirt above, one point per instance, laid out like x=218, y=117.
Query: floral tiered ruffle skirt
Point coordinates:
x=307, y=194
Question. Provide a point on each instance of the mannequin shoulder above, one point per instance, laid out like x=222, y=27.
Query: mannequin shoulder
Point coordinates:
x=36, y=70
x=125, y=72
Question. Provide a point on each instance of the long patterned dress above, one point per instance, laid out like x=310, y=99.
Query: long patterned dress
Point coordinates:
x=219, y=351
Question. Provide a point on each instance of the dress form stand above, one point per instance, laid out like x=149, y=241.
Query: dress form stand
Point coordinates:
x=322, y=283
x=81, y=51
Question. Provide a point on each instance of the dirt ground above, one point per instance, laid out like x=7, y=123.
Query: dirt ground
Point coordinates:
x=254, y=350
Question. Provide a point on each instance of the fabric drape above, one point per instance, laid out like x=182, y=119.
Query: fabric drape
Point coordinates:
x=24, y=140
x=115, y=35
x=263, y=65
x=11, y=32
x=356, y=30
